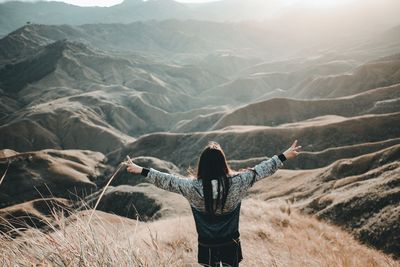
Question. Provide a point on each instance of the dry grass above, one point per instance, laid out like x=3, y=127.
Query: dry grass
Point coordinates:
x=271, y=236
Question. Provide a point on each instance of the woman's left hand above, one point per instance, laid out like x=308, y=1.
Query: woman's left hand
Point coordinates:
x=292, y=151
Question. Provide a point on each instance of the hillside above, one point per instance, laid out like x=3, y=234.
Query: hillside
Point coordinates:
x=360, y=194
x=277, y=111
x=157, y=38
x=290, y=19
x=247, y=142
x=77, y=96
x=378, y=73
x=48, y=173
x=268, y=235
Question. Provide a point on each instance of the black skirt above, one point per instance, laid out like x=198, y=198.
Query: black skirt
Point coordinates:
x=228, y=253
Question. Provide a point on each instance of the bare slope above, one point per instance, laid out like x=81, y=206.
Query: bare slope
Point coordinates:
x=360, y=194
x=78, y=66
x=59, y=173
x=141, y=202
x=79, y=176
x=271, y=236
x=249, y=142
x=154, y=37
x=277, y=111
x=85, y=98
x=267, y=80
x=378, y=73
x=37, y=213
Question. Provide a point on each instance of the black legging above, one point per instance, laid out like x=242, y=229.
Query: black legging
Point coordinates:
x=227, y=254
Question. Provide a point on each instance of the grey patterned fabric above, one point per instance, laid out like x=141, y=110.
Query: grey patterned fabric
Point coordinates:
x=192, y=189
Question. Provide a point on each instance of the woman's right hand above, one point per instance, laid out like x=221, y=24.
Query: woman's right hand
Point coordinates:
x=132, y=167
x=292, y=151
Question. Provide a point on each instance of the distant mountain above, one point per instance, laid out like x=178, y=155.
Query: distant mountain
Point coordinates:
x=68, y=89
x=378, y=73
x=279, y=16
x=159, y=38
x=76, y=99
x=312, y=80
x=278, y=111
x=106, y=80
x=17, y=14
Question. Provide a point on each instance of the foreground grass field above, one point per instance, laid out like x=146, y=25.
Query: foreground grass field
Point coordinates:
x=271, y=236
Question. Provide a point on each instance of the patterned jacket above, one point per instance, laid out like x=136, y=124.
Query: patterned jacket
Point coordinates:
x=226, y=224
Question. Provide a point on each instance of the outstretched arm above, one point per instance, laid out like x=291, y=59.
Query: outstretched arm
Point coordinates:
x=267, y=167
x=162, y=180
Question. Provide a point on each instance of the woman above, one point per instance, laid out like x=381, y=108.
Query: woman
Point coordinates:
x=215, y=198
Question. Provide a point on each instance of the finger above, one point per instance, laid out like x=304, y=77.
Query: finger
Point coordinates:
x=294, y=143
x=129, y=159
x=129, y=164
x=297, y=147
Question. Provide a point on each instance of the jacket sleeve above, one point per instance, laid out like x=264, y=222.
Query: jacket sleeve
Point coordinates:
x=262, y=170
x=170, y=182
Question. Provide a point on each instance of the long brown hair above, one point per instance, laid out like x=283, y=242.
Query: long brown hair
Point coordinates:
x=213, y=166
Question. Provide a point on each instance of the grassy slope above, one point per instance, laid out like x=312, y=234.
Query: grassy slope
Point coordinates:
x=271, y=236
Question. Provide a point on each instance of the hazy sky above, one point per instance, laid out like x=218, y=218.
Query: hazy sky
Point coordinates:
x=104, y=2
x=114, y=2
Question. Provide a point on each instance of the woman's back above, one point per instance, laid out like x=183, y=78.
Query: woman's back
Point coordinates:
x=215, y=199
x=225, y=222
x=193, y=191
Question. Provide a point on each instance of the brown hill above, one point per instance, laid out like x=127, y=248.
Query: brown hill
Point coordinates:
x=27, y=135
x=84, y=96
x=282, y=110
x=125, y=178
x=379, y=73
x=16, y=76
x=360, y=194
x=160, y=91
x=383, y=43
x=48, y=173
x=100, y=120
x=227, y=64
x=264, y=81
x=242, y=90
x=8, y=105
x=70, y=127
x=153, y=37
x=325, y=64
x=39, y=213
x=55, y=173
x=78, y=66
x=249, y=142
x=271, y=236
x=72, y=104
x=142, y=202
x=310, y=160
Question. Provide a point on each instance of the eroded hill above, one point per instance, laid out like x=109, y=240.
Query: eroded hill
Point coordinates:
x=75, y=100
